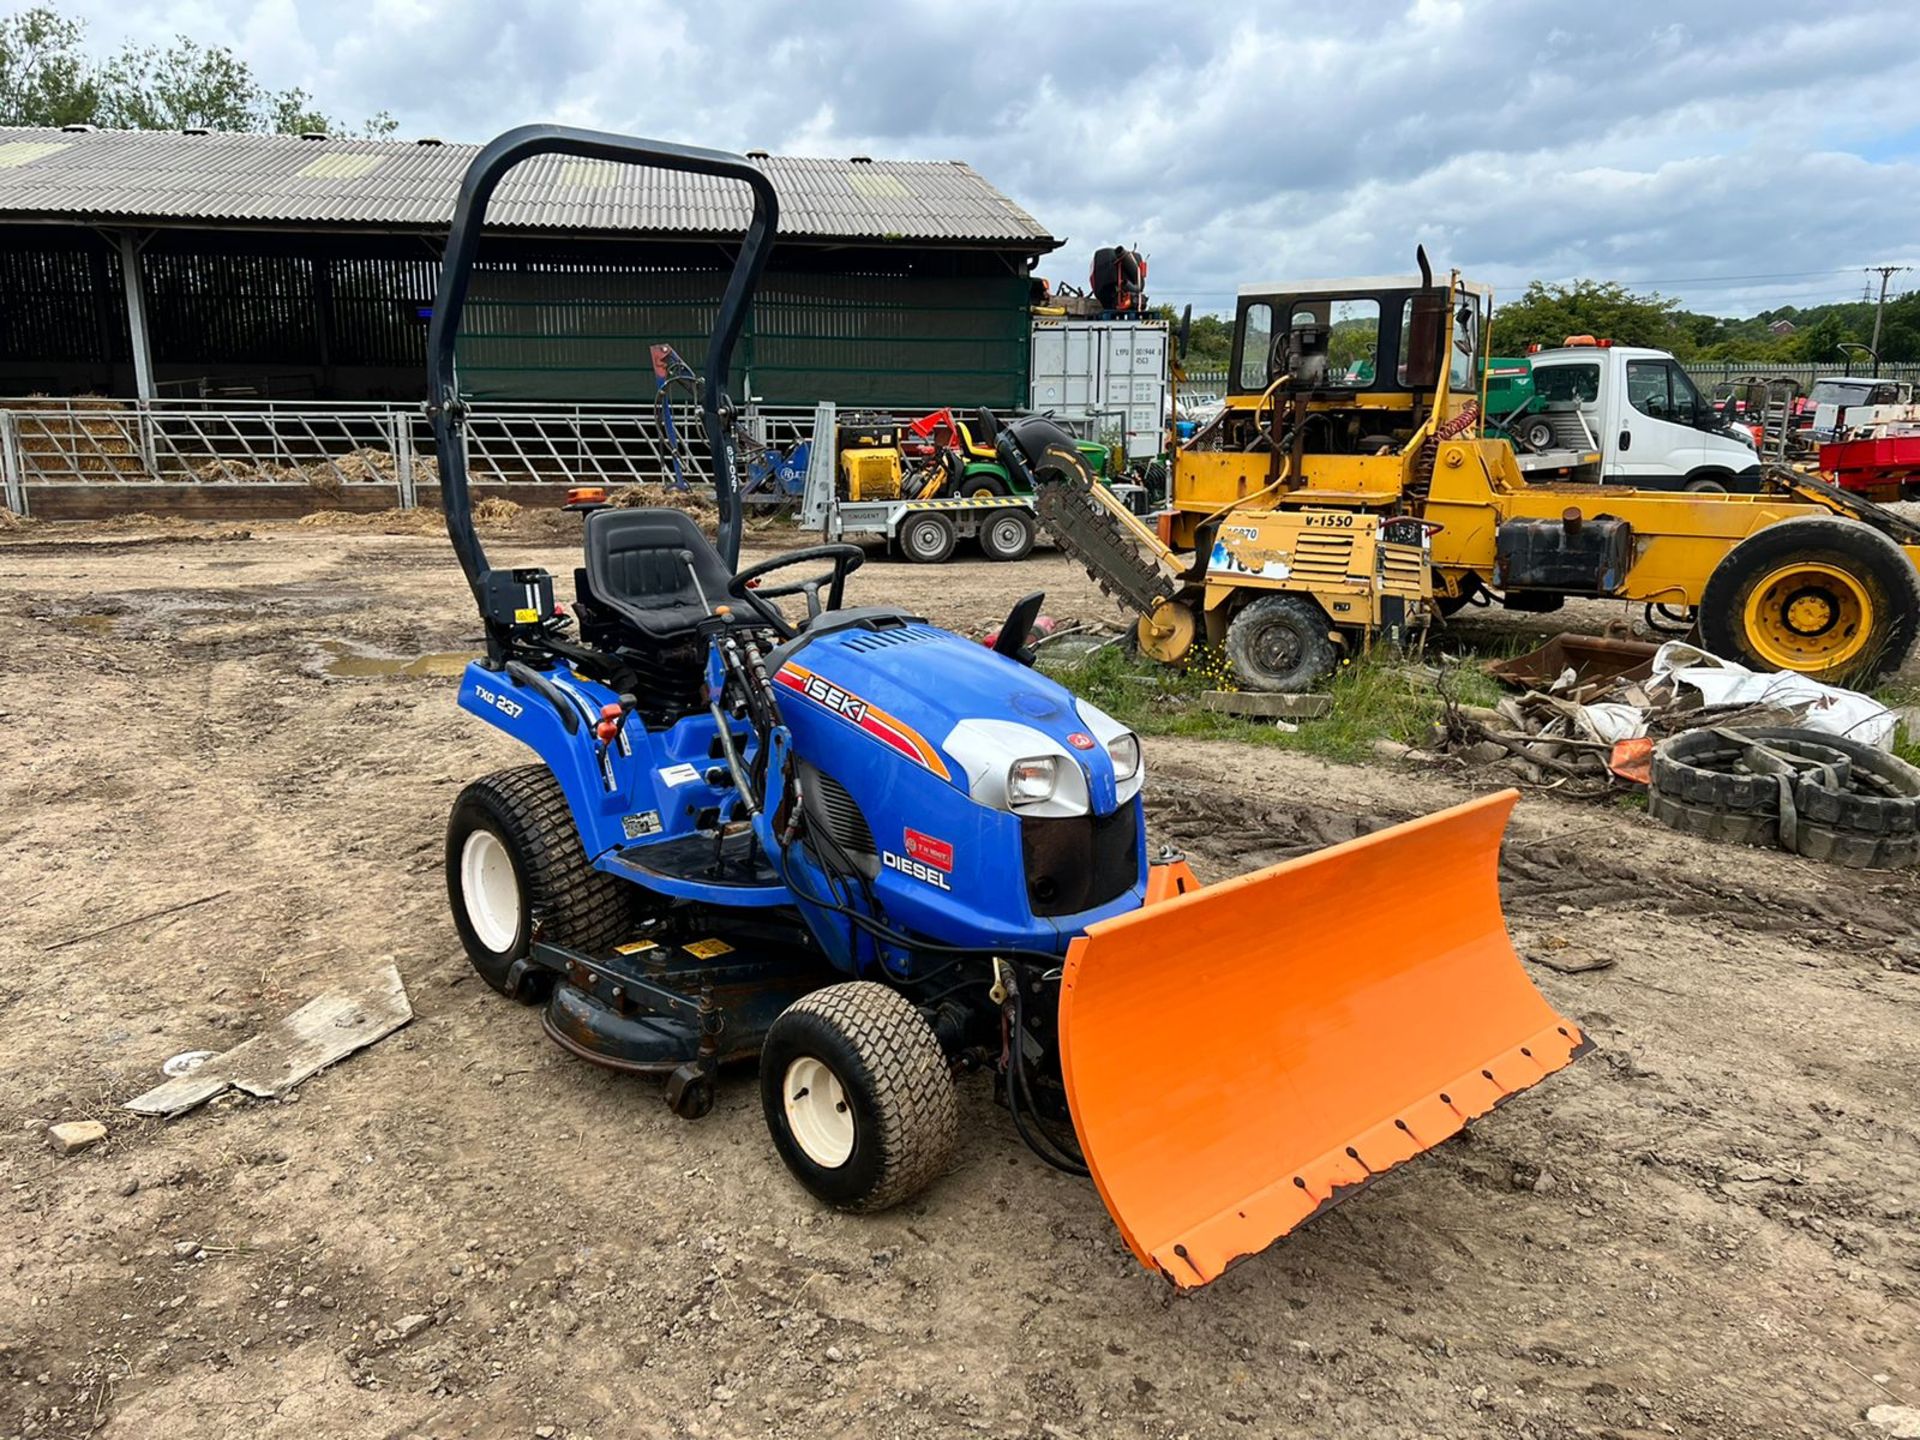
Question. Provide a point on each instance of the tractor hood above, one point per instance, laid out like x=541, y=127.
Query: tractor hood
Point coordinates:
x=930, y=698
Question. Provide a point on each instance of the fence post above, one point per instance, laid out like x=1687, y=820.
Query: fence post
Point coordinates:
x=143, y=439
x=10, y=467
x=403, y=456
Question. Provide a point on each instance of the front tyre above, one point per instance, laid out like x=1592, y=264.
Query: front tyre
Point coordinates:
x=1280, y=644
x=929, y=538
x=1820, y=595
x=513, y=852
x=858, y=1096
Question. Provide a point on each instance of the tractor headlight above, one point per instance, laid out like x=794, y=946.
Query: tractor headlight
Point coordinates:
x=1122, y=747
x=1033, y=781
x=1018, y=769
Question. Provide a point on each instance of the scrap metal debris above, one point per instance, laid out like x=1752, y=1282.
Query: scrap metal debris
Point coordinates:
x=327, y=1028
x=1592, y=709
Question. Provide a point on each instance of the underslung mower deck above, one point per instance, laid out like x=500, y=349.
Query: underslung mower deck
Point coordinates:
x=874, y=855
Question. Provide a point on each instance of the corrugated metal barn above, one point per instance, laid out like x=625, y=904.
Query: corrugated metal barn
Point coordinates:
x=303, y=267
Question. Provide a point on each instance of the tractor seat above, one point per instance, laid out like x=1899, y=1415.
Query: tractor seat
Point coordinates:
x=975, y=448
x=635, y=572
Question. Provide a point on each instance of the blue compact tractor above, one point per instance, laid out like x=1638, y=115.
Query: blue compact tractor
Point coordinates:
x=762, y=824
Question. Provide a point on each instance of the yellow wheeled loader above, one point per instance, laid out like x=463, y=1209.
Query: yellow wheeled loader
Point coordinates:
x=1347, y=489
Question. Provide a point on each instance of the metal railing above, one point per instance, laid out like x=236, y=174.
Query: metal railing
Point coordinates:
x=1713, y=372
x=330, y=447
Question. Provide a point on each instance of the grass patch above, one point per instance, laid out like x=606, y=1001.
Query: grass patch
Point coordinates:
x=1904, y=695
x=1374, y=698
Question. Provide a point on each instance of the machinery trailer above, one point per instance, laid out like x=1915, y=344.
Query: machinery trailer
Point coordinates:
x=926, y=531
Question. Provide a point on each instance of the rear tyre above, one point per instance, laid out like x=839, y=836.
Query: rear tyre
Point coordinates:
x=1535, y=432
x=858, y=1096
x=1007, y=535
x=983, y=485
x=1280, y=644
x=513, y=852
x=928, y=539
x=1820, y=595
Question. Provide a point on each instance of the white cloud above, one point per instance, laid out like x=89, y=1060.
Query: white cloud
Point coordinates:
x=1612, y=141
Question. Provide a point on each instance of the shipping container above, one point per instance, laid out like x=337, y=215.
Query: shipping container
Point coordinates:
x=1104, y=377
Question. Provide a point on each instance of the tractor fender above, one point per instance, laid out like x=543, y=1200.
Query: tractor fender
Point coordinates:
x=535, y=711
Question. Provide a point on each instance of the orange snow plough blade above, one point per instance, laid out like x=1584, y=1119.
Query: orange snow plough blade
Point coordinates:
x=1242, y=1056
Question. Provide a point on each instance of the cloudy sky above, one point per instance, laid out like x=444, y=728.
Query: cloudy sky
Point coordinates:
x=1739, y=155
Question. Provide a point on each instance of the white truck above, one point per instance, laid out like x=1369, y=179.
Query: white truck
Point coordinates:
x=1643, y=417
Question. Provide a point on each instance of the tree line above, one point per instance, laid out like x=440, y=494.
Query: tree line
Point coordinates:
x=48, y=77
x=1546, y=315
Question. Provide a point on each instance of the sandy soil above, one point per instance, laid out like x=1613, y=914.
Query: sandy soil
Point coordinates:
x=1704, y=1229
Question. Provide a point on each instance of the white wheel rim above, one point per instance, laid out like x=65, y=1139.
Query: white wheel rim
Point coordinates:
x=925, y=538
x=491, y=892
x=818, y=1115
x=1006, y=535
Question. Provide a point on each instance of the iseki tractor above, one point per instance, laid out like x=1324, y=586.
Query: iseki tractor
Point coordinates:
x=761, y=824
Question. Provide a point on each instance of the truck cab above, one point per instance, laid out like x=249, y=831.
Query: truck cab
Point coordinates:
x=1654, y=428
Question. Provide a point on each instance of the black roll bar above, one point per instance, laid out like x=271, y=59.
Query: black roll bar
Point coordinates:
x=444, y=406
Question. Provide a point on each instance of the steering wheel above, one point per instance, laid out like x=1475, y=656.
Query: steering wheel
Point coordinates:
x=846, y=559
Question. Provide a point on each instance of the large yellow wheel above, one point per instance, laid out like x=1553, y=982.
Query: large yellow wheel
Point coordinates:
x=1809, y=616
x=1820, y=595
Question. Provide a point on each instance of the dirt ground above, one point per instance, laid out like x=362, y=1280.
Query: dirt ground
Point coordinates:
x=1704, y=1229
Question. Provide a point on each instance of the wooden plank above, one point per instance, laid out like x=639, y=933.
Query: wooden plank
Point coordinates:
x=1268, y=707
x=327, y=1028
x=105, y=501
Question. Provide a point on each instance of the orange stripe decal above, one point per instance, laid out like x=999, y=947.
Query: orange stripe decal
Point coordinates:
x=896, y=735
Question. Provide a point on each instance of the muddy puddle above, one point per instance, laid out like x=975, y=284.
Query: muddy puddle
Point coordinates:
x=345, y=661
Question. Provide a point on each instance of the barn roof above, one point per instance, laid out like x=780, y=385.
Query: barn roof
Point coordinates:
x=287, y=181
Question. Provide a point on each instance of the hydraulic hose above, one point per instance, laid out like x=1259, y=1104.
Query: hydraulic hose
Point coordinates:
x=1017, y=1089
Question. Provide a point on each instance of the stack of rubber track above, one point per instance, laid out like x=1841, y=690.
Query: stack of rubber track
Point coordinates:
x=1819, y=795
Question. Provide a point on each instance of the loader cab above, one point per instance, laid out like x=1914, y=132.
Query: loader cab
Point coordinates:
x=1362, y=361
x=1331, y=387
